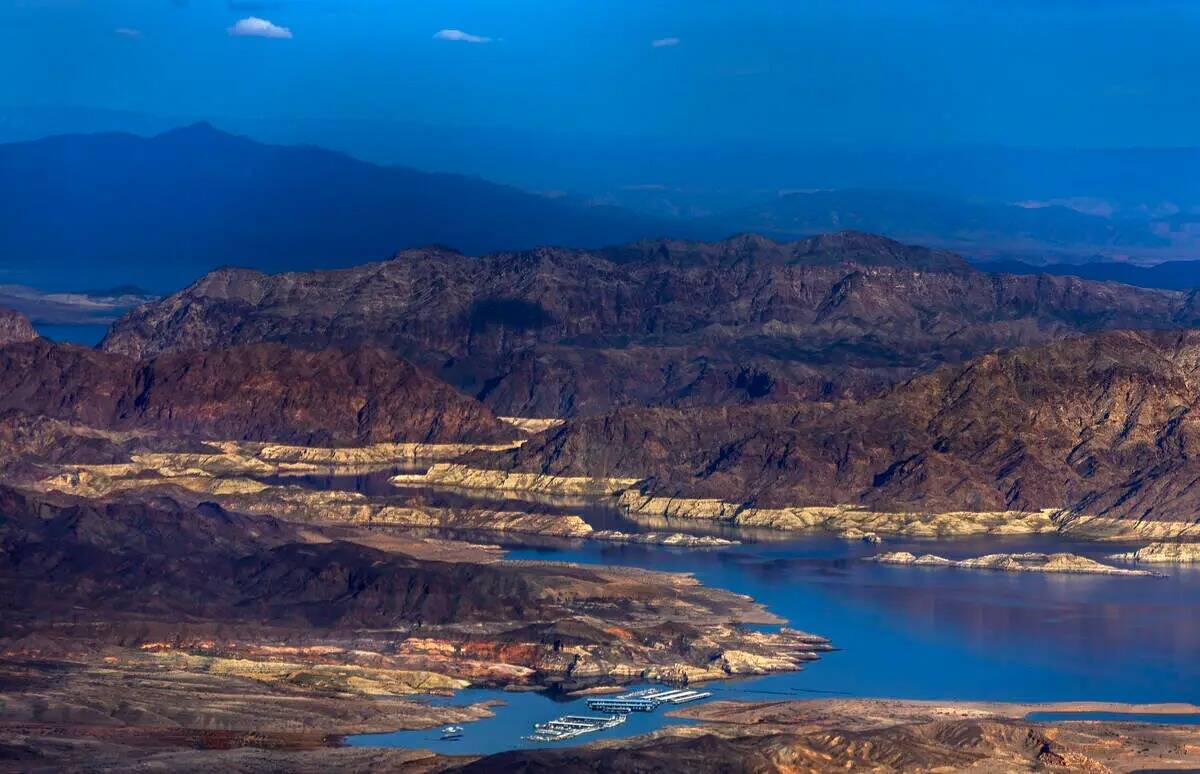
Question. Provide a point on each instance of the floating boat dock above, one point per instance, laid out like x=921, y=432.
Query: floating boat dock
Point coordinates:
x=571, y=726
x=645, y=701
x=616, y=708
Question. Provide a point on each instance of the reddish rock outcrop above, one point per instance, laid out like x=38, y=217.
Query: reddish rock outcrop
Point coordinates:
x=557, y=332
x=264, y=392
x=1103, y=425
x=15, y=327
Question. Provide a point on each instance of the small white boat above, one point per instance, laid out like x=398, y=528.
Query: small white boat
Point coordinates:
x=450, y=733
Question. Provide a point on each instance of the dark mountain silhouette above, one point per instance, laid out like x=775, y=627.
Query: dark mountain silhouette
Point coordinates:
x=942, y=219
x=91, y=210
x=718, y=174
x=1170, y=275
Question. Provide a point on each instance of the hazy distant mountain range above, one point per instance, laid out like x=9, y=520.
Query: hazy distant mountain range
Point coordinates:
x=112, y=208
x=108, y=208
x=89, y=307
x=677, y=175
x=1170, y=275
x=979, y=226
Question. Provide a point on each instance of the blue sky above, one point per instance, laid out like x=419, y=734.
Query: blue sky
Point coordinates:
x=1049, y=73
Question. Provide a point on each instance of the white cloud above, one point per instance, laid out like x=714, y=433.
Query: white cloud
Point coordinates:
x=460, y=36
x=664, y=42
x=254, y=27
x=128, y=32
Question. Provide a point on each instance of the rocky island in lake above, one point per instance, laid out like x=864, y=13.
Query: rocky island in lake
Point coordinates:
x=1027, y=562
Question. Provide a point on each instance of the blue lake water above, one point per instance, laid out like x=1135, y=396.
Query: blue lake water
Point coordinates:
x=1174, y=719
x=942, y=633
x=511, y=722
x=901, y=632
x=85, y=335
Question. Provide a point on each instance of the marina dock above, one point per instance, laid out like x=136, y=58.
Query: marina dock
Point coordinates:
x=571, y=726
x=616, y=710
x=645, y=701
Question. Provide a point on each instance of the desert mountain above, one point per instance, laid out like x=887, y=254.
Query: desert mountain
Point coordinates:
x=1100, y=424
x=15, y=327
x=556, y=332
x=264, y=392
x=175, y=565
x=101, y=208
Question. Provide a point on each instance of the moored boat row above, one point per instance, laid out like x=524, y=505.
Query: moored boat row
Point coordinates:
x=616, y=709
x=570, y=726
x=646, y=700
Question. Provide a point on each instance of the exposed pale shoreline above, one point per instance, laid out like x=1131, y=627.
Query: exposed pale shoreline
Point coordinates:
x=465, y=477
x=837, y=519
x=1060, y=563
x=380, y=454
x=1162, y=553
x=226, y=478
x=533, y=425
x=218, y=473
x=961, y=706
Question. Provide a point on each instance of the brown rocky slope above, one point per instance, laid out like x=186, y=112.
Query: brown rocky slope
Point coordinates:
x=255, y=393
x=822, y=736
x=1103, y=425
x=77, y=576
x=557, y=332
x=15, y=327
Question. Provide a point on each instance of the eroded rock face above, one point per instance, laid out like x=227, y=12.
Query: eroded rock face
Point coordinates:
x=554, y=332
x=1162, y=553
x=1099, y=426
x=462, y=476
x=15, y=327
x=965, y=745
x=298, y=504
x=678, y=539
x=161, y=574
x=264, y=392
x=29, y=440
x=1026, y=562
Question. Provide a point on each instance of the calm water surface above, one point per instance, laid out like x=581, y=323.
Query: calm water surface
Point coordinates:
x=1119, y=717
x=903, y=632
x=84, y=335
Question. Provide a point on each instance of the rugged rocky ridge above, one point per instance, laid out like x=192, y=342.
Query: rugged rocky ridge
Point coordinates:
x=264, y=392
x=15, y=327
x=556, y=332
x=205, y=563
x=1101, y=425
x=162, y=575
